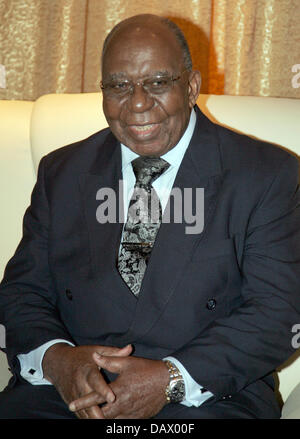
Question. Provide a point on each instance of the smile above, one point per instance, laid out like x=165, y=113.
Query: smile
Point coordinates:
x=142, y=127
x=143, y=130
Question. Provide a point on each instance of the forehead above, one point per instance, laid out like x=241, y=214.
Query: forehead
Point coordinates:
x=142, y=50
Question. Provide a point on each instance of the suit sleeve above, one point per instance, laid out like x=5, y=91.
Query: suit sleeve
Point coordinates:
x=27, y=298
x=255, y=337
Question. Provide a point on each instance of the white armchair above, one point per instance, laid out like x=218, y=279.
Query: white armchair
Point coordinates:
x=29, y=130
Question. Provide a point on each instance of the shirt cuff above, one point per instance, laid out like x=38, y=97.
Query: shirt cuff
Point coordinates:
x=31, y=363
x=195, y=394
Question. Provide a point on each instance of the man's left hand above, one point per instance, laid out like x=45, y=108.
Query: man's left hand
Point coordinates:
x=139, y=388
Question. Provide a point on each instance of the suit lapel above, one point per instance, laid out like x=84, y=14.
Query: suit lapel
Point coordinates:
x=104, y=239
x=200, y=168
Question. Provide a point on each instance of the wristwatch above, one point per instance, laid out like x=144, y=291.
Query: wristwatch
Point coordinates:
x=175, y=391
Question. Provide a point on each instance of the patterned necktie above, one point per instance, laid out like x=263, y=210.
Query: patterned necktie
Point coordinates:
x=143, y=221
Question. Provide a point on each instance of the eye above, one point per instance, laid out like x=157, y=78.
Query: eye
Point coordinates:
x=157, y=85
x=158, y=82
x=120, y=85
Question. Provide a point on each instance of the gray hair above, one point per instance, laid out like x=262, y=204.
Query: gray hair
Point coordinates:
x=180, y=37
x=174, y=28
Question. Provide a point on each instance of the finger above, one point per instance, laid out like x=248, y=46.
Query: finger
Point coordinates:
x=97, y=392
x=97, y=384
x=116, y=352
x=124, y=352
x=116, y=411
x=111, y=411
x=81, y=414
x=87, y=401
x=91, y=413
x=112, y=364
x=94, y=413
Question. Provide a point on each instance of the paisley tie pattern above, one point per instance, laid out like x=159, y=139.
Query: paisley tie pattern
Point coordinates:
x=143, y=221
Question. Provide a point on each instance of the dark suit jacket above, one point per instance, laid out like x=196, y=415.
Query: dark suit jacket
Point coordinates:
x=222, y=302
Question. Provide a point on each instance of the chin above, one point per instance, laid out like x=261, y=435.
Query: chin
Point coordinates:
x=149, y=150
x=153, y=152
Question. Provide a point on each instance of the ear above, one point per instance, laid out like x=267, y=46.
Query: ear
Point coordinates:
x=194, y=87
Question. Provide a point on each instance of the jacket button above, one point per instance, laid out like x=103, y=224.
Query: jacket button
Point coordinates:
x=211, y=304
x=69, y=294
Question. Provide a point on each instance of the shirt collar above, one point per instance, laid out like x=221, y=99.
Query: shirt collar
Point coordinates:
x=174, y=156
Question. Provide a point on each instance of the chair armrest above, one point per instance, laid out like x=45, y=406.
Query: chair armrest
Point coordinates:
x=291, y=407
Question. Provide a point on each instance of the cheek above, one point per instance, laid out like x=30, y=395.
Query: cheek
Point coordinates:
x=111, y=110
x=174, y=105
x=178, y=118
x=178, y=111
x=112, y=114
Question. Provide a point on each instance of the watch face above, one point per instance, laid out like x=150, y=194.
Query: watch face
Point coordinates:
x=177, y=391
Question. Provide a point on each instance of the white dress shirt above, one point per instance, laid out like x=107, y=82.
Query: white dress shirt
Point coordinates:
x=31, y=363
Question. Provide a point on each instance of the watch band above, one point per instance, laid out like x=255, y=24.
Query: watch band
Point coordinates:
x=176, y=380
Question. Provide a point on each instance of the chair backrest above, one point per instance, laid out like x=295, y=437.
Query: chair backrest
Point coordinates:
x=30, y=130
x=64, y=118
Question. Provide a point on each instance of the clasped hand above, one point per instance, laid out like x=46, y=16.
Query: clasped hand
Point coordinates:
x=137, y=392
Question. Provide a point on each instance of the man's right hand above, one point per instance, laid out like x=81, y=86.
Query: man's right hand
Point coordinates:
x=74, y=373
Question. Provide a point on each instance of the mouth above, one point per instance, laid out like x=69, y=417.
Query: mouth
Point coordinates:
x=143, y=130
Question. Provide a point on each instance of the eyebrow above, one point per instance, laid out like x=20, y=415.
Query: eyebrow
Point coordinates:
x=123, y=75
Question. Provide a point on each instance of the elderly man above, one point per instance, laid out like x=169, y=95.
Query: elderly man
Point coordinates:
x=142, y=318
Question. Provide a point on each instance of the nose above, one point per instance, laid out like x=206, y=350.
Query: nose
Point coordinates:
x=140, y=100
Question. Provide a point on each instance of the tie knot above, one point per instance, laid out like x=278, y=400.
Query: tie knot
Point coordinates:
x=148, y=169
